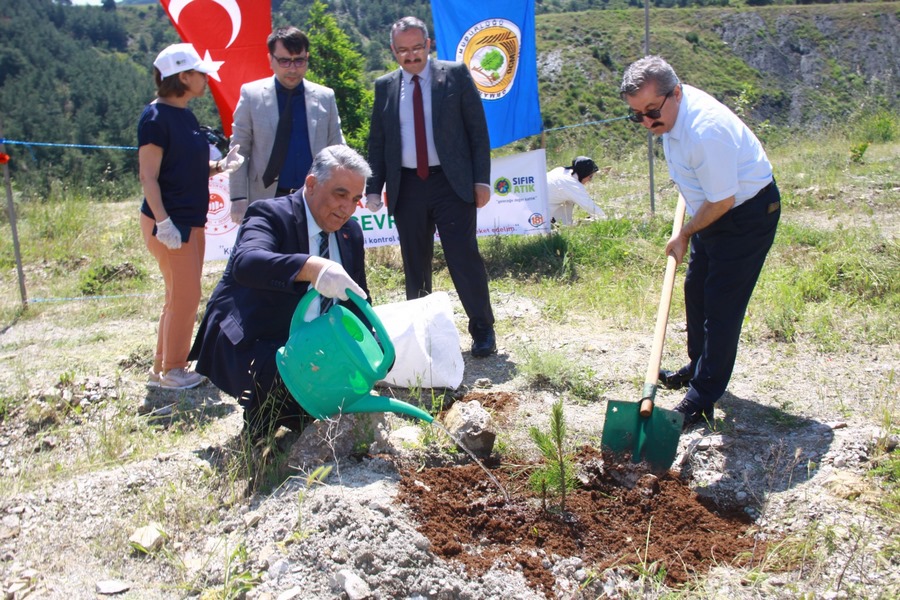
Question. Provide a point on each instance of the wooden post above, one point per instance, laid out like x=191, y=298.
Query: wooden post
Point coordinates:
x=11, y=210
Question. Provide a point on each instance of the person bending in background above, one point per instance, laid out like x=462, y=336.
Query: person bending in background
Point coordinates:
x=565, y=188
x=280, y=124
x=173, y=159
x=429, y=145
x=724, y=175
x=276, y=258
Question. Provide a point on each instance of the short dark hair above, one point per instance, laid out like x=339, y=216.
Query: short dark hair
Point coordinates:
x=168, y=87
x=645, y=70
x=407, y=23
x=294, y=40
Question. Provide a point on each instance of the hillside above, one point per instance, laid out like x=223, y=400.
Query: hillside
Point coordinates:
x=795, y=67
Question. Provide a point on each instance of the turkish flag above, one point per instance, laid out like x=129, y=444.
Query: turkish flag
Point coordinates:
x=232, y=35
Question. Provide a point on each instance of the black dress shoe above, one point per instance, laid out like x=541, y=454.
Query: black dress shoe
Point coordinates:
x=675, y=380
x=693, y=415
x=484, y=345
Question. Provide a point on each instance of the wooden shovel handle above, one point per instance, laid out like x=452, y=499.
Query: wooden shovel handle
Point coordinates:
x=662, y=315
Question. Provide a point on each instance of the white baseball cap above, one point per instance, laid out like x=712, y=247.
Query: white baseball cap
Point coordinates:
x=181, y=57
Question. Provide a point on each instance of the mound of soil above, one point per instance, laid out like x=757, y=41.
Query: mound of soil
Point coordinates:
x=658, y=526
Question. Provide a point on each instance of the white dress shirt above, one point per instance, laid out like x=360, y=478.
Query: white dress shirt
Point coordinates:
x=313, y=230
x=407, y=125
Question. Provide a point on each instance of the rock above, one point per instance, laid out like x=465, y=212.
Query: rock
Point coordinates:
x=148, y=539
x=471, y=424
x=337, y=438
x=291, y=594
x=648, y=485
x=111, y=587
x=279, y=568
x=353, y=585
x=405, y=438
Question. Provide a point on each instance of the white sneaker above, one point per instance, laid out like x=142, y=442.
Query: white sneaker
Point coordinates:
x=153, y=378
x=180, y=379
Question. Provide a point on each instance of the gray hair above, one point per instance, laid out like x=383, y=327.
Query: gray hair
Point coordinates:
x=338, y=157
x=407, y=23
x=650, y=69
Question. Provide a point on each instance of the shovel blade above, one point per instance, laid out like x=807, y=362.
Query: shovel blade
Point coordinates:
x=652, y=439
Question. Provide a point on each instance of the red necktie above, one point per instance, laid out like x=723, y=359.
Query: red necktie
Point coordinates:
x=419, y=122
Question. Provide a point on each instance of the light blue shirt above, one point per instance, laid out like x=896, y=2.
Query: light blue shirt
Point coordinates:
x=712, y=155
x=407, y=124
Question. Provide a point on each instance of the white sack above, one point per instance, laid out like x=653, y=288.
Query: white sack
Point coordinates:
x=426, y=342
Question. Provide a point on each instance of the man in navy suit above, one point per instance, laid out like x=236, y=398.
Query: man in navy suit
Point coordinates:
x=272, y=266
x=428, y=143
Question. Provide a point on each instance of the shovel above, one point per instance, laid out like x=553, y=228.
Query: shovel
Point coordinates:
x=639, y=429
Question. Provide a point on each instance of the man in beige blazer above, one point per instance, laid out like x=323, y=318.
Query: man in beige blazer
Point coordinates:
x=256, y=119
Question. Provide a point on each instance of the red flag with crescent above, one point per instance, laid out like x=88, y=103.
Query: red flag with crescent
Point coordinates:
x=231, y=34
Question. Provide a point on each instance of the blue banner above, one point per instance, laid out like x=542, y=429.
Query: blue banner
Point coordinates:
x=495, y=39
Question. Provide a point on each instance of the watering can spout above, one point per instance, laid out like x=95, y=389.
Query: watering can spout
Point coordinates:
x=382, y=404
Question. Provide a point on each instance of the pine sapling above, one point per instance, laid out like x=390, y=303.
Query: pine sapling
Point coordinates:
x=558, y=472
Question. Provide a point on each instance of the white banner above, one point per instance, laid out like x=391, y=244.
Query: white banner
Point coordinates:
x=220, y=230
x=518, y=203
x=518, y=206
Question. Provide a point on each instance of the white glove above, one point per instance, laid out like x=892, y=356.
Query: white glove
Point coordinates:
x=373, y=202
x=168, y=234
x=333, y=282
x=238, y=209
x=232, y=161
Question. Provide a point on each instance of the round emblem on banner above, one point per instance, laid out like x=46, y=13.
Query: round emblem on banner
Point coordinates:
x=502, y=186
x=536, y=219
x=491, y=49
x=218, y=219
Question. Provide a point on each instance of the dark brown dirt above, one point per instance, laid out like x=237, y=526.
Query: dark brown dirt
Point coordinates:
x=466, y=519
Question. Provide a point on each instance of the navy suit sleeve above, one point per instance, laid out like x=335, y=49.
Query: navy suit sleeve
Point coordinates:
x=259, y=258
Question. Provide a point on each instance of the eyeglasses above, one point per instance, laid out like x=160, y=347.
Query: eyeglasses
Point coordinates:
x=638, y=117
x=297, y=61
x=414, y=50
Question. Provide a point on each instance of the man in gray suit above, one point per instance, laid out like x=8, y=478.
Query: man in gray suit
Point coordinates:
x=428, y=143
x=312, y=124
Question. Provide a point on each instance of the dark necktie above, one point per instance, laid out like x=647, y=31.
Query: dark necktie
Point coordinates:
x=419, y=123
x=325, y=303
x=282, y=140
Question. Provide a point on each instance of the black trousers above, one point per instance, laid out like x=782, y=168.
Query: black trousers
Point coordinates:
x=269, y=404
x=725, y=262
x=422, y=207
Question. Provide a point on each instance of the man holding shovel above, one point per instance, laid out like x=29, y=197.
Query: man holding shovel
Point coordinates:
x=725, y=177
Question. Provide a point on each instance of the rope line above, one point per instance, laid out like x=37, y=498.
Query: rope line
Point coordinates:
x=78, y=298
x=54, y=145
x=588, y=123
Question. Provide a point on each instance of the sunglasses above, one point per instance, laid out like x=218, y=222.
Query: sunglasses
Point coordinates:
x=638, y=117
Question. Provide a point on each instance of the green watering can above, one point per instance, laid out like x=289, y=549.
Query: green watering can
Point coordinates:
x=331, y=363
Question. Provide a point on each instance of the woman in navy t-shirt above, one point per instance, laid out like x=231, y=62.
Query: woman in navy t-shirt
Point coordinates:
x=174, y=170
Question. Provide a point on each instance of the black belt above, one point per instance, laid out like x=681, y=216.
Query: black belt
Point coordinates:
x=285, y=191
x=760, y=196
x=431, y=170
